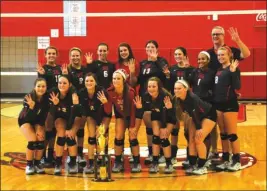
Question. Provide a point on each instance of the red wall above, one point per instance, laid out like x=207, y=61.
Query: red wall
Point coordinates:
x=192, y=32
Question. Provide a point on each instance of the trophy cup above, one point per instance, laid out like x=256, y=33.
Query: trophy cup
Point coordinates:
x=104, y=172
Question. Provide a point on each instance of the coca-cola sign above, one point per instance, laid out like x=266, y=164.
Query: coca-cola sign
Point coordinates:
x=261, y=17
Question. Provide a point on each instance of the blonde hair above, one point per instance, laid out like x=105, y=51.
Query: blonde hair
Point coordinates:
x=219, y=27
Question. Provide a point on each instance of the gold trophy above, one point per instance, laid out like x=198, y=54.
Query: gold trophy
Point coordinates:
x=104, y=172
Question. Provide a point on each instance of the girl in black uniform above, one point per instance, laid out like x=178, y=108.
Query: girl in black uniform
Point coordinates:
x=50, y=72
x=31, y=121
x=179, y=71
x=92, y=98
x=153, y=66
x=121, y=97
x=76, y=73
x=159, y=102
x=101, y=67
x=203, y=120
x=67, y=114
x=227, y=81
x=202, y=82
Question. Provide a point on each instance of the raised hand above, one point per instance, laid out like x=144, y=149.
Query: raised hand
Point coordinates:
x=138, y=102
x=89, y=57
x=40, y=69
x=131, y=65
x=101, y=97
x=166, y=71
x=153, y=55
x=64, y=69
x=54, y=98
x=29, y=101
x=234, y=34
x=234, y=65
x=167, y=102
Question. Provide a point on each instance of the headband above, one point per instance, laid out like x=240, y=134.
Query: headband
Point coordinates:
x=206, y=53
x=183, y=82
x=121, y=73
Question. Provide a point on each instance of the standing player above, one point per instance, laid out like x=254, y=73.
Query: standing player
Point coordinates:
x=227, y=81
x=121, y=97
x=76, y=73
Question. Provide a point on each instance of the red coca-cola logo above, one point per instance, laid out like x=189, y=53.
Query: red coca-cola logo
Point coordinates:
x=261, y=17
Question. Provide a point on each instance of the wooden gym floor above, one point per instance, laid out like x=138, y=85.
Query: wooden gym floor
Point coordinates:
x=252, y=135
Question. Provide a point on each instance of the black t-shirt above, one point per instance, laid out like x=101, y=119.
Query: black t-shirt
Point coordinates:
x=51, y=75
x=77, y=77
x=150, y=69
x=103, y=71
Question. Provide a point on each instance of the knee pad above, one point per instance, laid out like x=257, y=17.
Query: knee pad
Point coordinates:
x=48, y=135
x=40, y=145
x=149, y=131
x=91, y=140
x=164, y=142
x=224, y=136
x=31, y=145
x=70, y=142
x=134, y=143
x=207, y=137
x=232, y=137
x=175, y=132
x=156, y=140
x=80, y=133
x=61, y=141
x=118, y=142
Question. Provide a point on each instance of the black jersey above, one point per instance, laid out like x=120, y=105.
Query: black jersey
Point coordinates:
x=202, y=82
x=92, y=107
x=37, y=115
x=77, y=76
x=65, y=108
x=103, y=71
x=150, y=69
x=51, y=75
x=214, y=62
x=226, y=82
x=195, y=107
x=158, y=109
x=177, y=73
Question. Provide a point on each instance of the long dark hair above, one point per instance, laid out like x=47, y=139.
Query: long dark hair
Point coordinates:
x=33, y=92
x=124, y=44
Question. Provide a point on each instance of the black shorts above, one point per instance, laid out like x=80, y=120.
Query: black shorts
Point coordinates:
x=212, y=115
x=35, y=122
x=119, y=116
x=229, y=106
x=157, y=116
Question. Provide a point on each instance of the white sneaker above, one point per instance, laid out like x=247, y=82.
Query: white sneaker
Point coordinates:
x=200, y=171
x=39, y=169
x=223, y=166
x=168, y=169
x=162, y=159
x=174, y=161
x=191, y=169
x=208, y=163
x=30, y=170
x=130, y=157
x=234, y=166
